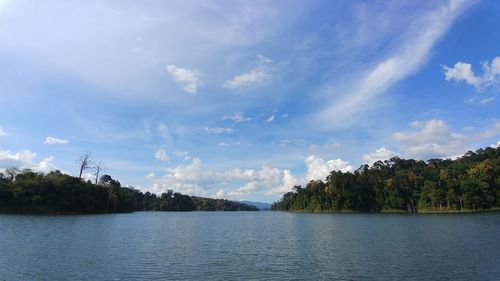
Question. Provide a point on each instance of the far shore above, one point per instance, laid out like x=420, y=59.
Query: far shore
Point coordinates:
x=467, y=211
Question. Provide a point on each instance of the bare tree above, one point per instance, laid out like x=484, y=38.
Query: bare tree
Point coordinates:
x=85, y=163
x=11, y=173
x=98, y=168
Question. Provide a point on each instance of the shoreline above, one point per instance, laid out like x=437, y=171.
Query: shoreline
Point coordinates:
x=424, y=212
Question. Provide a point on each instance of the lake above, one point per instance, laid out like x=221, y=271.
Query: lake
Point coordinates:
x=250, y=246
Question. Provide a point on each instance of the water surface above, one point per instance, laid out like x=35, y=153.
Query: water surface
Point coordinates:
x=250, y=246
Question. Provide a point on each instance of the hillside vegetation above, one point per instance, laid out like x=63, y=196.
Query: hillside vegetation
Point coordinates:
x=57, y=193
x=471, y=182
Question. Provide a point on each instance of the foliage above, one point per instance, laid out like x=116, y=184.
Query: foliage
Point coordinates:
x=471, y=182
x=57, y=193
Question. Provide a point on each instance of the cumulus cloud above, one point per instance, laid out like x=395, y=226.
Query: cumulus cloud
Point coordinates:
x=52, y=140
x=220, y=194
x=19, y=159
x=462, y=72
x=270, y=119
x=288, y=181
x=255, y=76
x=46, y=165
x=161, y=155
x=187, y=179
x=188, y=173
x=380, y=154
x=195, y=179
x=270, y=180
x=186, y=77
x=237, y=117
x=238, y=174
x=25, y=160
x=2, y=132
x=432, y=139
x=244, y=190
x=318, y=169
x=219, y=130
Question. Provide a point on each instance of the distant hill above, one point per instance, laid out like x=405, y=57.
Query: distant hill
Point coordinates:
x=260, y=205
x=468, y=183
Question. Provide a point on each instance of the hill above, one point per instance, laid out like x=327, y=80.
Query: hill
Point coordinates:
x=469, y=183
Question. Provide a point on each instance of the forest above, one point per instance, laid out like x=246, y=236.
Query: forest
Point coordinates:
x=469, y=183
x=56, y=193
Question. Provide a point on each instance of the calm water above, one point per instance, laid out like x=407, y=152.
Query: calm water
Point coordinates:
x=251, y=246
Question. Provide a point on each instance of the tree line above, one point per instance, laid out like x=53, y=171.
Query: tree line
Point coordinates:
x=471, y=182
x=27, y=191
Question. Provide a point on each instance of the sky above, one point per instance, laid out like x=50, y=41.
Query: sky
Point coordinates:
x=244, y=99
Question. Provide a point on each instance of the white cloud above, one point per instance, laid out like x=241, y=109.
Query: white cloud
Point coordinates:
x=486, y=101
x=183, y=155
x=238, y=174
x=318, y=169
x=219, y=130
x=22, y=159
x=87, y=176
x=45, y=165
x=161, y=155
x=52, y=140
x=150, y=176
x=380, y=154
x=2, y=132
x=25, y=160
x=220, y=194
x=432, y=140
x=188, y=78
x=463, y=72
x=255, y=76
x=270, y=180
x=246, y=79
x=405, y=60
x=187, y=179
x=287, y=183
x=194, y=179
x=244, y=190
x=192, y=173
x=270, y=119
x=237, y=117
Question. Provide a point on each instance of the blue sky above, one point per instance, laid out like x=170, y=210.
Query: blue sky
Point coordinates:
x=244, y=99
